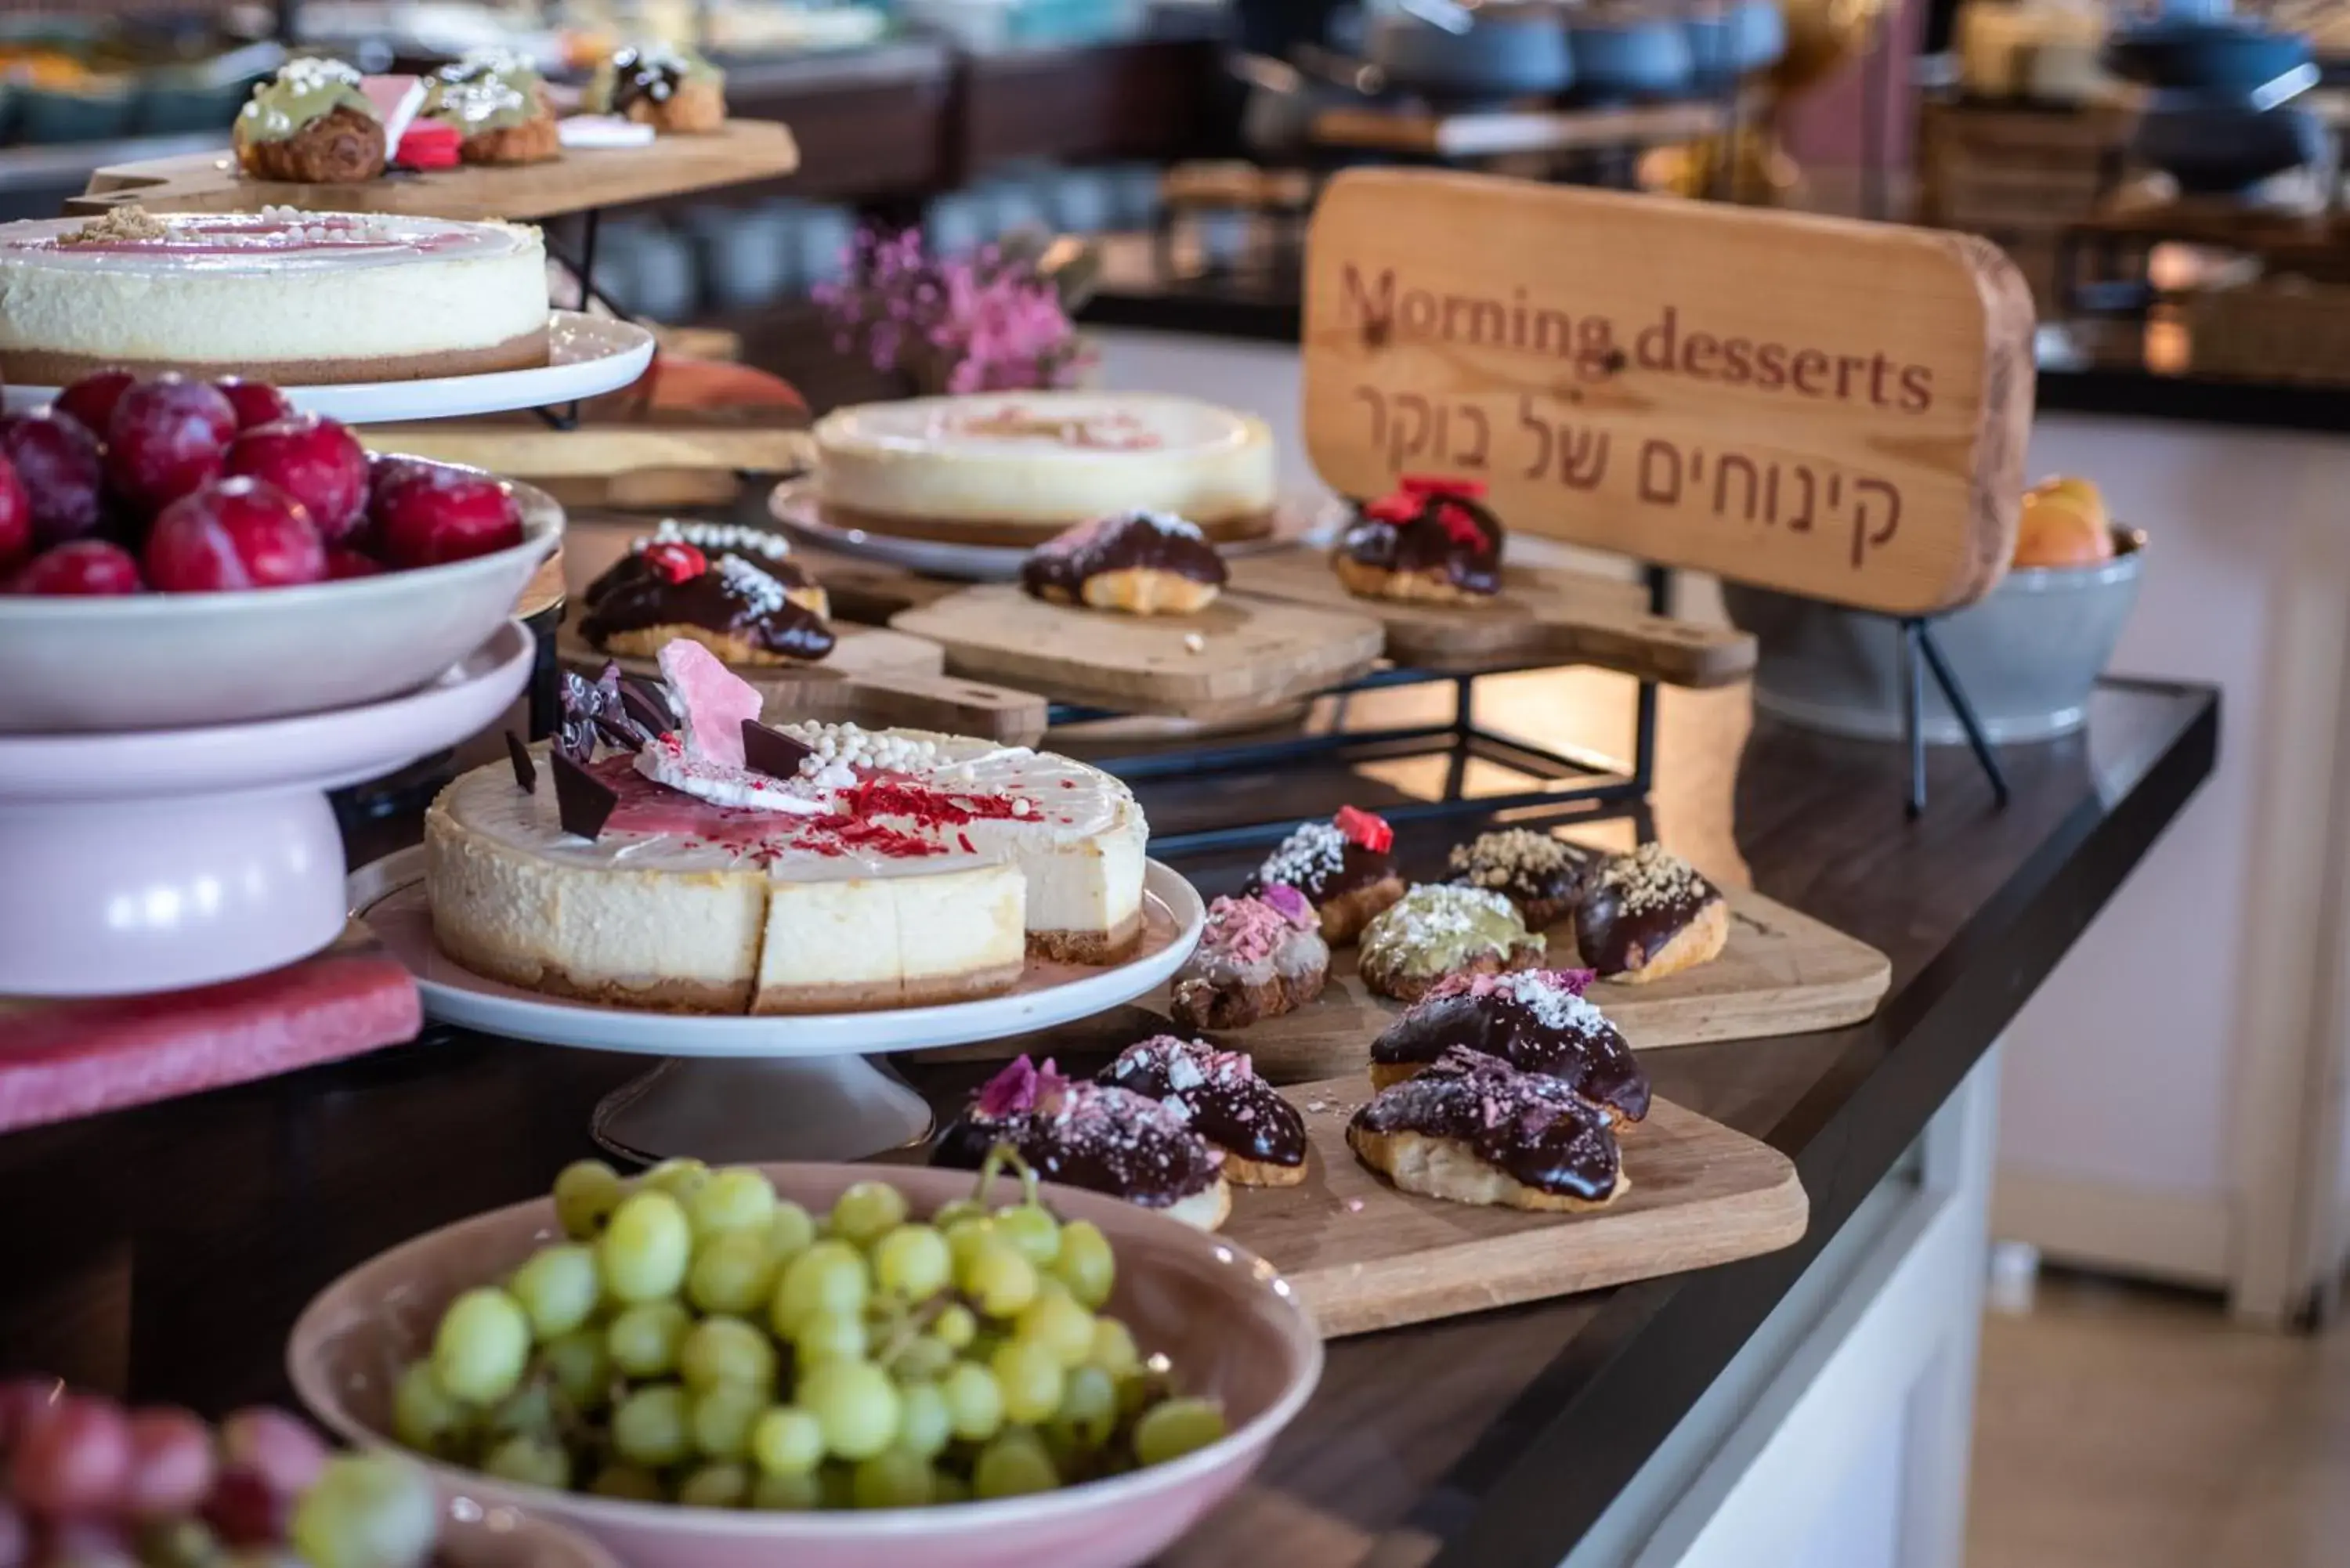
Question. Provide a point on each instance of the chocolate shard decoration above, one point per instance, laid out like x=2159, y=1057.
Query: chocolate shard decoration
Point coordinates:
x=600, y=710
x=771, y=752
x=647, y=703
x=525, y=771
x=582, y=801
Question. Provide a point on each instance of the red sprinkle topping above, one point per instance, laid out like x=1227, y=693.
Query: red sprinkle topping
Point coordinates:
x=1424, y=484
x=896, y=795
x=1364, y=828
x=1459, y=526
x=1398, y=509
x=676, y=560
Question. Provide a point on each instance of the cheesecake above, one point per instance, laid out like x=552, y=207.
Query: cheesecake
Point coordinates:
x=290, y=298
x=1022, y=467
x=897, y=868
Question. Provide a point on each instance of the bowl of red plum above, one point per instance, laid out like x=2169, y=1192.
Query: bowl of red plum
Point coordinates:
x=88, y=1482
x=176, y=553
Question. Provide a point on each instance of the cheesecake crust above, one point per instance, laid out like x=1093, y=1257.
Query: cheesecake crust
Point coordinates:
x=45, y=368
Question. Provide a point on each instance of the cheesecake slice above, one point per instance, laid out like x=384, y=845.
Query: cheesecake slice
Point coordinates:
x=912, y=868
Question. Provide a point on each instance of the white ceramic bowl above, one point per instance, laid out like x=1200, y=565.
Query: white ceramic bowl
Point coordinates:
x=1231, y=1324
x=177, y=661
x=153, y=859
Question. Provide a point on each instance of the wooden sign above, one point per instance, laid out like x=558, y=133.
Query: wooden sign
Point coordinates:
x=1834, y=408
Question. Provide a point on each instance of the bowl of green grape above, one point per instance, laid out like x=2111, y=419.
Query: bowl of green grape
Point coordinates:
x=754, y=1367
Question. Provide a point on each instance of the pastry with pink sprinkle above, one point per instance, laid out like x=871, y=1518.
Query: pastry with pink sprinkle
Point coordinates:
x=1094, y=1135
x=1261, y=956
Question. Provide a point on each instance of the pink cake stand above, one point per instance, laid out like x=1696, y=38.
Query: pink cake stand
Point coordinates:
x=158, y=859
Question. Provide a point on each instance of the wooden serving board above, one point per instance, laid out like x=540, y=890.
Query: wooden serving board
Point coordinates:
x=1542, y=613
x=743, y=150
x=1780, y=973
x=1363, y=1256
x=1251, y=652
x=873, y=677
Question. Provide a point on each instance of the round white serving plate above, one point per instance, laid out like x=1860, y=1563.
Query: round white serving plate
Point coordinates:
x=794, y=503
x=157, y=860
x=177, y=661
x=740, y=1089
x=388, y=895
x=587, y=356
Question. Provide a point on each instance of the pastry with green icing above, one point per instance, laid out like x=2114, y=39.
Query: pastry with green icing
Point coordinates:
x=310, y=125
x=1437, y=931
x=504, y=118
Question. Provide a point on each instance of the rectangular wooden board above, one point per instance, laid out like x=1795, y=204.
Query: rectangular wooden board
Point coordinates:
x=1834, y=408
x=1542, y=614
x=1781, y=973
x=1363, y=1256
x=1249, y=652
x=743, y=150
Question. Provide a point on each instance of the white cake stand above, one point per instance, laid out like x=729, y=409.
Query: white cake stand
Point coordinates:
x=587, y=356
x=154, y=859
x=740, y=1089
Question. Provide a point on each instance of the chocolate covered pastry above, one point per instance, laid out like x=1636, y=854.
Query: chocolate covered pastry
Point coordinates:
x=1343, y=866
x=1473, y=1129
x=1432, y=540
x=1260, y=957
x=1145, y=563
x=1437, y=931
x=1104, y=1139
x=675, y=91
x=736, y=591
x=1542, y=875
x=1536, y=1019
x=1263, y=1135
x=1648, y=914
x=310, y=125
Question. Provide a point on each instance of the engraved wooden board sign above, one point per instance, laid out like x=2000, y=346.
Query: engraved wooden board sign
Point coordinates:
x=1831, y=407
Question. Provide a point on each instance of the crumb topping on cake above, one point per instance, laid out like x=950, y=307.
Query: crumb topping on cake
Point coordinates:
x=715, y=536
x=1653, y=878
x=1496, y=859
x=117, y=225
x=1312, y=854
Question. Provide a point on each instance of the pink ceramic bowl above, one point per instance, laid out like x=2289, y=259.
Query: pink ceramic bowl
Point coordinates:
x=1226, y=1319
x=494, y=1536
x=183, y=661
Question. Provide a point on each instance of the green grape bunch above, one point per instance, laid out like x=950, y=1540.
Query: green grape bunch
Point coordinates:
x=696, y=1338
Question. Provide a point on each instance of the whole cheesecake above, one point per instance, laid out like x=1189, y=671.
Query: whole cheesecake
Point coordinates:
x=1018, y=468
x=296, y=298
x=930, y=868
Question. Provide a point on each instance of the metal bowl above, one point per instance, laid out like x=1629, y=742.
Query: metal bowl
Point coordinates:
x=2026, y=654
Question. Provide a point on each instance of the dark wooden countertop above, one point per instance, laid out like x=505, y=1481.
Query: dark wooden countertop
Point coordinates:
x=165, y=1252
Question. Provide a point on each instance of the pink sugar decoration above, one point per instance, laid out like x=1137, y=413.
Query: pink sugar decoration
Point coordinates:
x=1246, y=928
x=714, y=699
x=1010, y=1092
x=1289, y=904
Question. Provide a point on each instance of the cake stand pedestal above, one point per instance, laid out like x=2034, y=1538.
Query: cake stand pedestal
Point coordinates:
x=745, y=1112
